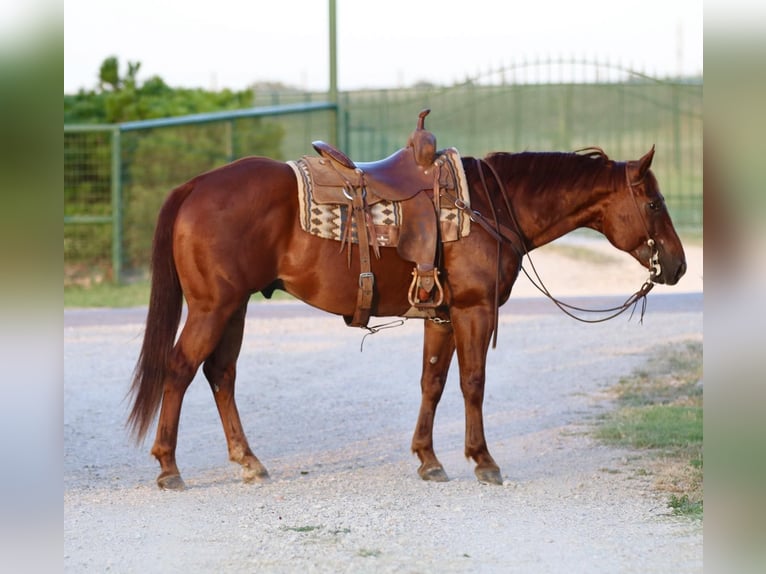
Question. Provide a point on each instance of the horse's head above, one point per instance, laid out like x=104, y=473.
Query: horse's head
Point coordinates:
x=636, y=220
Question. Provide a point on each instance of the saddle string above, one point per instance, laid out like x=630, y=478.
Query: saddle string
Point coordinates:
x=377, y=328
x=349, y=191
x=566, y=308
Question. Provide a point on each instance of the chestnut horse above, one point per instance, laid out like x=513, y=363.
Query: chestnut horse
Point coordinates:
x=235, y=231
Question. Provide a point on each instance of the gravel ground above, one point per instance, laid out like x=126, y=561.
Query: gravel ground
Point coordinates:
x=333, y=427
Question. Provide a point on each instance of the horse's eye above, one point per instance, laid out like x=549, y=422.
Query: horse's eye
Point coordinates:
x=654, y=205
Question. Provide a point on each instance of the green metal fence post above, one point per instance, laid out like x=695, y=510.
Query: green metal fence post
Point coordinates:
x=333, y=56
x=116, y=205
x=346, y=126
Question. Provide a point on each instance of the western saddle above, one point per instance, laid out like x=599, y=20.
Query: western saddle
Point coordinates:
x=410, y=176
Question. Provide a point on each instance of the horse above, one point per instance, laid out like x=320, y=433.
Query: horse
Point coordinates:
x=234, y=231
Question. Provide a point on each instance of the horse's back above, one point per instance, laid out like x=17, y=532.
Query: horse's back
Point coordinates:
x=251, y=183
x=231, y=198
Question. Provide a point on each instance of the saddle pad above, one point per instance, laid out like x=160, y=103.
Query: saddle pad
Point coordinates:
x=329, y=221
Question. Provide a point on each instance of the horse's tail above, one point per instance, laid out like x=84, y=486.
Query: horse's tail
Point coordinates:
x=162, y=320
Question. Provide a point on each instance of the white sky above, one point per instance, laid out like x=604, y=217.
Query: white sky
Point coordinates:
x=234, y=43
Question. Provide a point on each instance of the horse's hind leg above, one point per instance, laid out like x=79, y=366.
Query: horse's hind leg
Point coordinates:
x=221, y=369
x=198, y=338
x=438, y=349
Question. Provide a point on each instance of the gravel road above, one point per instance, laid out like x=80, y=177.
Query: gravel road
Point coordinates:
x=333, y=427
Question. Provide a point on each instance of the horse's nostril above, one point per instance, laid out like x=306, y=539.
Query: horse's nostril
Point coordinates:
x=681, y=271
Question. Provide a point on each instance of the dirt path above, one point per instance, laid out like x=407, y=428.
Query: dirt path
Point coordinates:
x=333, y=427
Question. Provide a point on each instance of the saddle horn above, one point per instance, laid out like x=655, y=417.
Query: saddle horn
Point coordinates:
x=423, y=142
x=422, y=118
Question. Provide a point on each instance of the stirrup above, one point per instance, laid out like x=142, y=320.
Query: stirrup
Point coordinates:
x=420, y=293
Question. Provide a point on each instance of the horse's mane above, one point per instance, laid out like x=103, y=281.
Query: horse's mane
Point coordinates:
x=545, y=170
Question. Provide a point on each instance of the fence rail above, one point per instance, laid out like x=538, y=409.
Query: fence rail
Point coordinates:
x=116, y=176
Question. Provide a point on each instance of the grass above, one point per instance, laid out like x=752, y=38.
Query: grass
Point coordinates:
x=656, y=426
x=108, y=294
x=660, y=412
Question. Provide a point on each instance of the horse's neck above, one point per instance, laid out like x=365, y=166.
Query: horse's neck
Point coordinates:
x=561, y=206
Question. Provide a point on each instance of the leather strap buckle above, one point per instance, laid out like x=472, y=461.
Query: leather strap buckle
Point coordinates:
x=367, y=275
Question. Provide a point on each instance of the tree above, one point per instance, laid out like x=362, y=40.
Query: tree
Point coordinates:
x=121, y=98
x=109, y=74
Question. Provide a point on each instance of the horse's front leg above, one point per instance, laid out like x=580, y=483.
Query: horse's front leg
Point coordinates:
x=438, y=349
x=473, y=329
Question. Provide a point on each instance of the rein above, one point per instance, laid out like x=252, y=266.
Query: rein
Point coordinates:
x=497, y=232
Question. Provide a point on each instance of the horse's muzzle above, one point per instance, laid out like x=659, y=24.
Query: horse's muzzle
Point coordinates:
x=680, y=272
x=671, y=274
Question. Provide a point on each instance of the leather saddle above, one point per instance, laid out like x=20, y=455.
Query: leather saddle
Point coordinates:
x=410, y=176
x=395, y=178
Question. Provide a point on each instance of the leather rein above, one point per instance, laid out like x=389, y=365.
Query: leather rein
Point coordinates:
x=496, y=231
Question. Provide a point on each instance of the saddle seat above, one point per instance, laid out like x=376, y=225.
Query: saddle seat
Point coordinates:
x=394, y=178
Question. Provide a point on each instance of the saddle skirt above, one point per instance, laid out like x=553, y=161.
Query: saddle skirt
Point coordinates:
x=324, y=210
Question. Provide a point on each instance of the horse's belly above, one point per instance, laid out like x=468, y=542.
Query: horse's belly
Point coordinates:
x=317, y=272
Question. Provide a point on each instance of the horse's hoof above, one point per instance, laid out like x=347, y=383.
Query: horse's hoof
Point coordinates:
x=433, y=474
x=489, y=476
x=255, y=473
x=171, y=482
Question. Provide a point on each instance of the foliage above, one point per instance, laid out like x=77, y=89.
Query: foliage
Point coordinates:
x=684, y=506
x=121, y=98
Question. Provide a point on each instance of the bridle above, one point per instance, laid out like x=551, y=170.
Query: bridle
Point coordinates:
x=496, y=231
x=655, y=269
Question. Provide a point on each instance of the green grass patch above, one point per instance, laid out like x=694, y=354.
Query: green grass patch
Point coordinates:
x=682, y=505
x=661, y=412
x=655, y=426
x=107, y=295
x=127, y=295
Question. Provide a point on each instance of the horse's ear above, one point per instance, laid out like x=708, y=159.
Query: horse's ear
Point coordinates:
x=645, y=162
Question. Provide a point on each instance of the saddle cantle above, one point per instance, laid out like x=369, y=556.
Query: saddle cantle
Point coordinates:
x=405, y=186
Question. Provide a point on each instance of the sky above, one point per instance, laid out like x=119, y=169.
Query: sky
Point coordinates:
x=235, y=43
